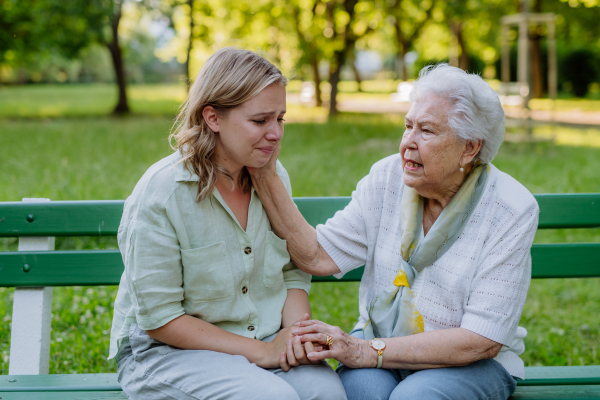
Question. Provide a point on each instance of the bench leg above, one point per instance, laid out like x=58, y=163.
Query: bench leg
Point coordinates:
x=31, y=318
x=30, y=335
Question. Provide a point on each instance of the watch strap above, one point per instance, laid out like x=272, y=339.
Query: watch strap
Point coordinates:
x=379, y=358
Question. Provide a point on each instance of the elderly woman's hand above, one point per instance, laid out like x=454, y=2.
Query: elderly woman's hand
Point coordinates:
x=269, y=169
x=350, y=351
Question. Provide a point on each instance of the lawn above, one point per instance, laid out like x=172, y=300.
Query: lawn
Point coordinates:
x=85, y=155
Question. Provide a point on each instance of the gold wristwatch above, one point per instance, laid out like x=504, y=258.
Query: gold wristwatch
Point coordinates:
x=378, y=345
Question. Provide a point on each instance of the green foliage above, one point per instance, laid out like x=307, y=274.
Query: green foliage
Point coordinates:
x=579, y=68
x=84, y=158
x=31, y=28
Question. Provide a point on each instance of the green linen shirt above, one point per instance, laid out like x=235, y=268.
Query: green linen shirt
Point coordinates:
x=188, y=257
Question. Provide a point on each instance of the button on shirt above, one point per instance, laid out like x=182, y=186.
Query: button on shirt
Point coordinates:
x=183, y=257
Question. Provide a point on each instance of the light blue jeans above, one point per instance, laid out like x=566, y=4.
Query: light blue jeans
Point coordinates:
x=485, y=379
x=151, y=370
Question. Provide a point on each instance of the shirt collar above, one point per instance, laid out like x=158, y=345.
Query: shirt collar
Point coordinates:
x=180, y=171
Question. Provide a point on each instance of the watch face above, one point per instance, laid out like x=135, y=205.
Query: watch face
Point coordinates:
x=378, y=344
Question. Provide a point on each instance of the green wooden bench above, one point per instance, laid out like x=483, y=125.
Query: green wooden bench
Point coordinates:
x=35, y=268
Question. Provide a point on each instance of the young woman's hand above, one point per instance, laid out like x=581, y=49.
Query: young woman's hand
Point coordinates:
x=296, y=352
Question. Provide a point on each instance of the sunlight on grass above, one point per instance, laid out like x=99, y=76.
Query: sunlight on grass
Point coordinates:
x=565, y=104
x=566, y=136
x=173, y=92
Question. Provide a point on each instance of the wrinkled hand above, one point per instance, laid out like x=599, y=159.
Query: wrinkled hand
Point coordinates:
x=270, y=168
x=350, y=351
x=286, y=350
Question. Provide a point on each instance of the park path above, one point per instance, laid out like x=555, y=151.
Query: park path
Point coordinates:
x=377, y=106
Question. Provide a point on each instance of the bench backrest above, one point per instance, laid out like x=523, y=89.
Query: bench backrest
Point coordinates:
x=104, y=267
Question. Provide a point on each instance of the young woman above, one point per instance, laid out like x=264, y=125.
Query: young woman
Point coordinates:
x=208, y=296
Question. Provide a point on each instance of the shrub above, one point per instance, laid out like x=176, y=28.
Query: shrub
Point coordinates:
x=579, y=68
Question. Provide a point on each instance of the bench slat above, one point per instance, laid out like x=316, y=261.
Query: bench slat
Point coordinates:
x=61, y=268
x=104, y=267
x=59, y=383
x=101, y=218
x=535, y=376
x=522, y=393
x=565, y=260
x=580, y=210
x=61, y=218
x=572, y=375
x=106, y=395
x=567, y=392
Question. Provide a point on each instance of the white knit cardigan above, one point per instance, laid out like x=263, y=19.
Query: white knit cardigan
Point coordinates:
x=479, y=284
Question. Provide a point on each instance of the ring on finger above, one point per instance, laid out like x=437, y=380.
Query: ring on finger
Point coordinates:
x=329, y=341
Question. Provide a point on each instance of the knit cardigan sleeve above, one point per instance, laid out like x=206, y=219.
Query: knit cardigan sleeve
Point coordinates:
x=499, y=287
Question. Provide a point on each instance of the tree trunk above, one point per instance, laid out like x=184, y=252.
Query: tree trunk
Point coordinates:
x=188, y=73
x=537, y=80
x=356, y=73
x=21, y=77
x=117, y=59
x=401, y=65
x=334, y=79
x=339, y=56
x=463, y=58
x=317, y=77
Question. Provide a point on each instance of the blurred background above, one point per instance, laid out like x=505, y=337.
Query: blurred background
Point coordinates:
x=89, y=90
x=130, y=43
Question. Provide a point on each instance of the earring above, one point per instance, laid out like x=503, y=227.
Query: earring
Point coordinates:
x=461, y=168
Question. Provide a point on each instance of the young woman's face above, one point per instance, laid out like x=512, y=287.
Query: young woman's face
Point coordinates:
x=248, y=134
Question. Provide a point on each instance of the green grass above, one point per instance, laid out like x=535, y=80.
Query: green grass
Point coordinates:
x=99, y=157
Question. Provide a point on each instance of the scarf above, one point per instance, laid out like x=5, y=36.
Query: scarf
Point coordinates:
x=392, y=312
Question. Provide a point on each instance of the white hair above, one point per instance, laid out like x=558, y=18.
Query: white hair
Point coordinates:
x=475, y=114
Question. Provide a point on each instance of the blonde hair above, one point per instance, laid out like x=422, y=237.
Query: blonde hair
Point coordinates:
x=229, y=78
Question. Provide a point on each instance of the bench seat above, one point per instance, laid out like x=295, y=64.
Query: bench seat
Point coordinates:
x=73, y=395
x=59, y=383
x=576, y=382
x=523, y=393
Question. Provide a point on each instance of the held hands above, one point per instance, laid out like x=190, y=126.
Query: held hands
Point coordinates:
x=287, y=350
x=350, y=351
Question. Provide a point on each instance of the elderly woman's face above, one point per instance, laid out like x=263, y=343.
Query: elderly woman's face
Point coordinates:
x=431, y=153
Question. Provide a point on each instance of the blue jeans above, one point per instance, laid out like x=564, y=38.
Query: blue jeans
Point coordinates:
x=484, y=379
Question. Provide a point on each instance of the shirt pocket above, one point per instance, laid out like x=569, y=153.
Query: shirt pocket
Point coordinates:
x=207, y=274
x=276, y=257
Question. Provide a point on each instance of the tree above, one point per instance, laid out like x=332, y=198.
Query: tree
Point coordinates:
x=16, y=26
x=191, y=31
x=307, y=31
x=103, y=18
x=347, y=21
x=408, y=18
x=41, y=27
x=33, y=29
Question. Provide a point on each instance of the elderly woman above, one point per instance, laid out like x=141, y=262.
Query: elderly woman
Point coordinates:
x=445, y=239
